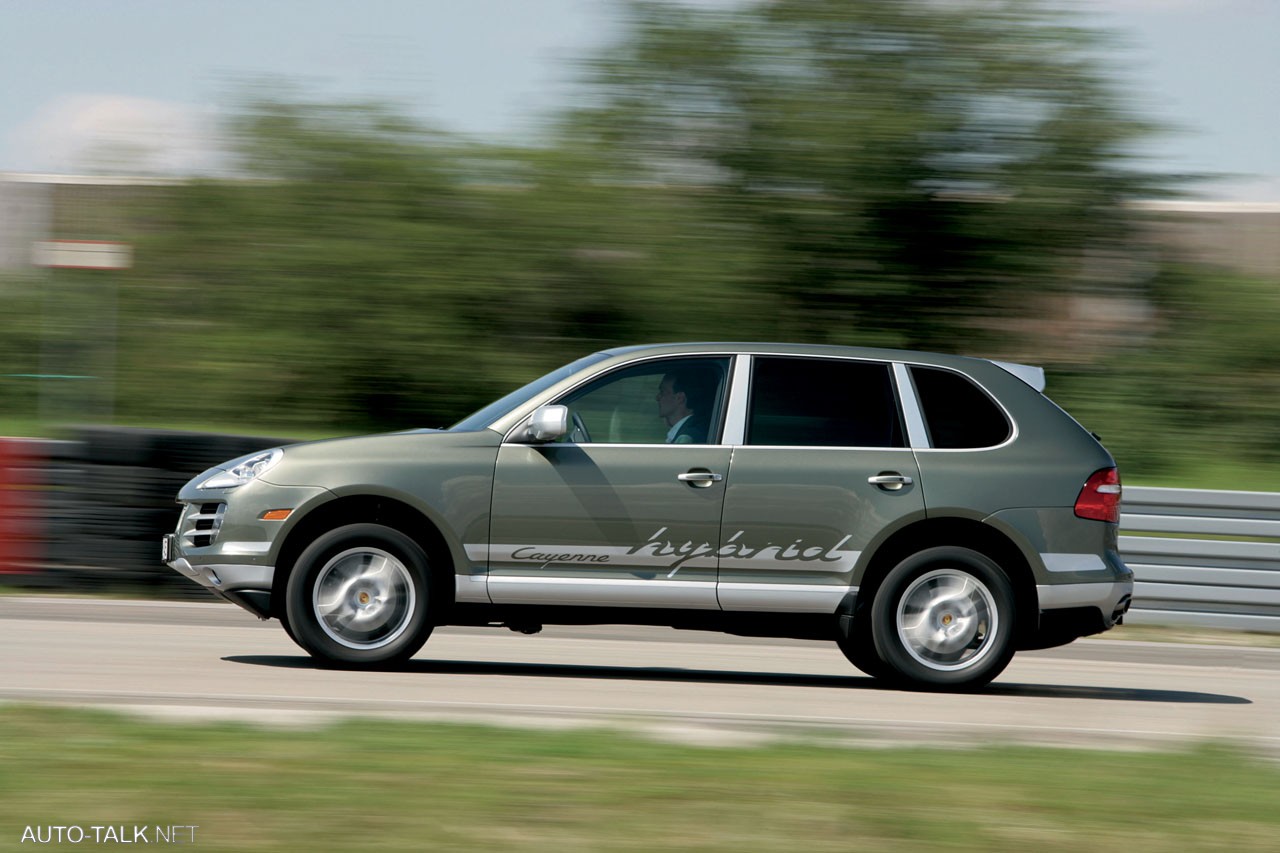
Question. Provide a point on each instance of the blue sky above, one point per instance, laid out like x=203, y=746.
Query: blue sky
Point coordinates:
x=149, y=75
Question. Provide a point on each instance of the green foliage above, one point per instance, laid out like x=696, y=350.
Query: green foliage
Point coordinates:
x=334, y=288
x=20, y=323
x=375, y=275
x=906, y=168
x=1196, y=395
x=849, y=172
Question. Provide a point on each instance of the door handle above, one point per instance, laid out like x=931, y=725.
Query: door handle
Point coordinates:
x=700, y=479
x=890, y=480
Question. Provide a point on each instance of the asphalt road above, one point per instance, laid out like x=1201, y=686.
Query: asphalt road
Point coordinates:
x=195, y=660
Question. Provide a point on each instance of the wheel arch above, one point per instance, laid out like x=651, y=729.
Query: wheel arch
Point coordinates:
x=964, y=533
x=367, y=509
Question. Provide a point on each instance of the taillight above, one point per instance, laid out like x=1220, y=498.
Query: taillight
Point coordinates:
x=1100, y=497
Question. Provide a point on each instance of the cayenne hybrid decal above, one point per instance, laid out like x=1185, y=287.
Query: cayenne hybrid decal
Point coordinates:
x=660, y=551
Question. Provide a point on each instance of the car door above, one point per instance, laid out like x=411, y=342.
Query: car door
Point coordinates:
x=613, y=514
x=822, y=471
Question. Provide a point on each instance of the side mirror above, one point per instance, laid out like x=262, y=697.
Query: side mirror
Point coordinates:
x=548, y=423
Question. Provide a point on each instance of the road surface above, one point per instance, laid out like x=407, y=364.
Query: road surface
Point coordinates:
x=197, y=660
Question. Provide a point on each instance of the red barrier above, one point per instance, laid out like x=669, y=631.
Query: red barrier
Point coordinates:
x=20, y=506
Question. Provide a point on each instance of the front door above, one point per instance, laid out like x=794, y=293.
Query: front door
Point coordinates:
x=625, y=511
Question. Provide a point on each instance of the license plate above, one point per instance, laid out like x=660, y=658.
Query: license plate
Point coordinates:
x=168, y=547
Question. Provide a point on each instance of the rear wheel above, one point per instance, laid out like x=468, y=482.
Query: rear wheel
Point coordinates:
x=288, y=629
x=860, y=647
x=359, y=595
x=943, y=619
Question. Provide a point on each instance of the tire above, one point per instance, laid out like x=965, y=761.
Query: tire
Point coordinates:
x=860, y=648
x=944, y=619
x=288, y=628
x=359, y=595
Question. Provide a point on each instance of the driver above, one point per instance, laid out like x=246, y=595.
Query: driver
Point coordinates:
x=682, y=405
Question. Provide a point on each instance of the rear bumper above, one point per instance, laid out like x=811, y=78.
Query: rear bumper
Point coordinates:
x=1071, y=611
x=1110, y=598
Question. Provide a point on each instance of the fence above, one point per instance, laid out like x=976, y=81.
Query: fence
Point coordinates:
x=90, y=513
x=1203, y=558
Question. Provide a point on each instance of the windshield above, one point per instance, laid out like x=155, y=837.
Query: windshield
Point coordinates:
x=498, y=408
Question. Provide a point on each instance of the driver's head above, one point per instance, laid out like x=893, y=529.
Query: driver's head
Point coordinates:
x=673, y=399
x=681, y=392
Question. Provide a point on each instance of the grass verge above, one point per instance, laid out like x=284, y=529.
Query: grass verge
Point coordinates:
x=1188, y=634
x=380, y=785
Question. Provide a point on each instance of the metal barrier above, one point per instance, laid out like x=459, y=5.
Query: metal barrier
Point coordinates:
x=1203, y=558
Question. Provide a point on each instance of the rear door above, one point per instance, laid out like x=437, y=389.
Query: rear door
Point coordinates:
x=823, y=469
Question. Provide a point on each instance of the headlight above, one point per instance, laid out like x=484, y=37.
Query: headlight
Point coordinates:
x=242, y=470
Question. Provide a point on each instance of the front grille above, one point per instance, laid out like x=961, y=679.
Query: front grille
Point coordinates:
x=200, y=524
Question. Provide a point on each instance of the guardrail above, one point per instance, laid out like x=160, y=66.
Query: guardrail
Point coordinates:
x=90, y=513
x=1203, y=558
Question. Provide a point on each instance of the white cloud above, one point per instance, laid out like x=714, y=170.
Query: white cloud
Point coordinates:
x=116, y=134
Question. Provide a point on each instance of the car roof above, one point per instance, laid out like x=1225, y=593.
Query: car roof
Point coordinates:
x=765, y=348
x=1033, y=376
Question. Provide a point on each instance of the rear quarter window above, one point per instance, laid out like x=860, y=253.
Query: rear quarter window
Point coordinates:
x=957, y=413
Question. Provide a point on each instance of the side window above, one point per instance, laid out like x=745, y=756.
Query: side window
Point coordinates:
x=669, y=401
x=957, y=413
x=822, y=402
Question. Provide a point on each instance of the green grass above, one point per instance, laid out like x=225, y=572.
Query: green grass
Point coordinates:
x=1195, y=472
x=1189, y=634
x=19, y=427
x=381, y=785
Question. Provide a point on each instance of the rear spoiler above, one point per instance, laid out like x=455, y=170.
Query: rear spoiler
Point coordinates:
x=1033, y=376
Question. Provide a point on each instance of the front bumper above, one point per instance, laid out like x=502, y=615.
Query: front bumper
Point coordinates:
x=223, y=577
x=246, y=586
x=224, y=544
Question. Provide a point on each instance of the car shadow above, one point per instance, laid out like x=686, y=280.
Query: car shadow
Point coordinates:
x=703, y=676
x=1122, y=694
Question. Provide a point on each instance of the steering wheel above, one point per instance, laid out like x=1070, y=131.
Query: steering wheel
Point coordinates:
x=579, y=433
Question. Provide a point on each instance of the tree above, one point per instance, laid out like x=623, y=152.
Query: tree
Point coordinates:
x=912, y=173
x=368, y=273
x=907, y=168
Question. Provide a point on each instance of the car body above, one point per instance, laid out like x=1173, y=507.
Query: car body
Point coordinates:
x=931, y=514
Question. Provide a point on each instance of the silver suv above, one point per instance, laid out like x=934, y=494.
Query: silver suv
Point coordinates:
x=930, y=514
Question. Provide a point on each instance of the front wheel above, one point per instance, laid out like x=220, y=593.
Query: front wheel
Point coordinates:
x=360, y=595
x=943, y=619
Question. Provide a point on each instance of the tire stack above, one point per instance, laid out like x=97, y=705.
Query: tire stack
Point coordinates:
x=24, y=491
x=111, y=497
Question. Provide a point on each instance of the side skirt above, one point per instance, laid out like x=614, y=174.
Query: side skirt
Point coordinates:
x=530, y=618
